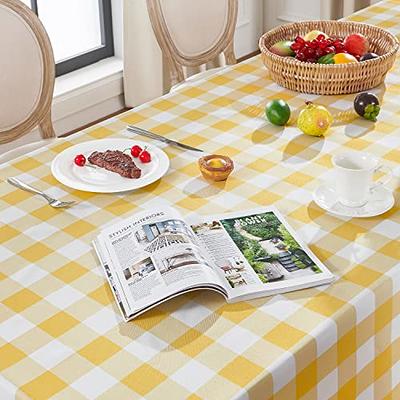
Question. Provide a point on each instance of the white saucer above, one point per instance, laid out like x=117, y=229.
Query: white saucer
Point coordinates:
x=380, y=201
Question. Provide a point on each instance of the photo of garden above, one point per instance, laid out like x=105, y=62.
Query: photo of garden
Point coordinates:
x=269, y=248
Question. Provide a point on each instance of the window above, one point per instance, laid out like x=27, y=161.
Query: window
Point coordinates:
x=80, y=31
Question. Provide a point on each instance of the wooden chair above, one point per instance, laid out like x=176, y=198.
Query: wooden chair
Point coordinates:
x=27, y=74
x=193, y=33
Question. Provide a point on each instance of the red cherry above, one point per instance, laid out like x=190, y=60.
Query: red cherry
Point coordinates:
x=145, y=157
x=80, y=160
x=296, y=46
x=136, y=150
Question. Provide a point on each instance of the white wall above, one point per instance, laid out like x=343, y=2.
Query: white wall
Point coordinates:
x=278, y=12
x=249, y=27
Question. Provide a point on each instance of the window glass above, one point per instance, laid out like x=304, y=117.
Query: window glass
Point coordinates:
x=72, y=25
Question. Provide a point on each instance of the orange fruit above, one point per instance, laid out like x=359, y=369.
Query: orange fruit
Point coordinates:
x=344, y=58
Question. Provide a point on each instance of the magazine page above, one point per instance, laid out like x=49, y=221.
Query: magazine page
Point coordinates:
x=259, y=254
x=154, y=255
x=116, y=288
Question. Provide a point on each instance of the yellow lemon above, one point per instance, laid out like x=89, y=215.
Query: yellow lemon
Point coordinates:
x=313, y=35
x=344, y=58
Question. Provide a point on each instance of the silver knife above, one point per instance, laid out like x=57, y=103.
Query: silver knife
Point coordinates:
x=151, y=135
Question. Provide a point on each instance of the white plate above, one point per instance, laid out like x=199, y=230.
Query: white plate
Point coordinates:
x=100, y=180
x=380, y=201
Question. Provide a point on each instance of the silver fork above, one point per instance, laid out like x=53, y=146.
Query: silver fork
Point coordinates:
x=53, y=202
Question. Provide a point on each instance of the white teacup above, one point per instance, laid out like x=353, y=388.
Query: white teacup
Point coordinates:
x=354, y=173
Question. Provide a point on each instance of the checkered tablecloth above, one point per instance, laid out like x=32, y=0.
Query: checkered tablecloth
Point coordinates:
x=61, y=335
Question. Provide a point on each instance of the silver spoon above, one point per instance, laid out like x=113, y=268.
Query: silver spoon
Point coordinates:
x=53, y=202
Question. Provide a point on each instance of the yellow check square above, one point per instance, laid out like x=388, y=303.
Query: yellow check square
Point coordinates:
x=9, y=355
x=144, y=379
x=284, y=335
x=44, y=386
x=240, y=371
x=58, y=324
x=99, y=350
x=21, y=300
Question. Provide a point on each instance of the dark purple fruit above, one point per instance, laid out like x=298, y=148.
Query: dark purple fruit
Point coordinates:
x=368, y=56
x=367, y=106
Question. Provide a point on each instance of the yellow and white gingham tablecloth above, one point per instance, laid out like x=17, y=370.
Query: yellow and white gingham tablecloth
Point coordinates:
x=61, y=335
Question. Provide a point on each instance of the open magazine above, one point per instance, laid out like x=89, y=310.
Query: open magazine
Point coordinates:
x=156, y=255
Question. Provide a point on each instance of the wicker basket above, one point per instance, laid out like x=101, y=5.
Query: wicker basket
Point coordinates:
x=329, y=78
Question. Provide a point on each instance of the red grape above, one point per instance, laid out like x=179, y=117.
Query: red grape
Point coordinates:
x=309, y=52
x=296, y=46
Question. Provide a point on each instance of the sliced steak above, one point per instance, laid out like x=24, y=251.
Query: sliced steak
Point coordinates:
x=116, y=161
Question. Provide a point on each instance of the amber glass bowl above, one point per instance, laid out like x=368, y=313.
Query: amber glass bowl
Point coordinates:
x=216, y=167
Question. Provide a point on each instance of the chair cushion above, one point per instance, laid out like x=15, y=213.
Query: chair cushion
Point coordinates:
x=207, y=20
x=21, y=69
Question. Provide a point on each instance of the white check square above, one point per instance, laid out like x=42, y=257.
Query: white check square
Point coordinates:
x=365, y=354
x=11, y=214
x=51, y=354
x=192, y=375
x=325, y=335
x=14, y=327
x=364, y=304
x=355, y=252
x=74, y=249
x=146, y=346
x=283, y=370
x=103, y=320
x=396, y=374
x=390, y=229
x=5, y=253
x=328, y=386
x=193, y=104
x=238, y=339
x=221, y=90
x=64, y=297
x=367, y=394
x=163, y=117
x=194, y=127
x=28, y=275
x=40, y=231
x=279, y=307
x=94, y=383
x=191, y=313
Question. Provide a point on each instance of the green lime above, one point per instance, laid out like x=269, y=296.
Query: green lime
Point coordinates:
x=277, y=112
x=327, y=59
